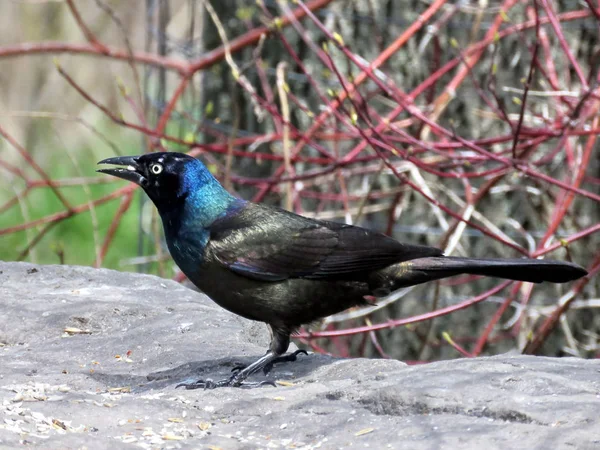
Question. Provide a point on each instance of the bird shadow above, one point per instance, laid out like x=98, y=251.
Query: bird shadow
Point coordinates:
x=215, y=369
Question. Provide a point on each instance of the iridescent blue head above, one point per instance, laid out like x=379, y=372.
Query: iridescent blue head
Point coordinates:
x=177, y=184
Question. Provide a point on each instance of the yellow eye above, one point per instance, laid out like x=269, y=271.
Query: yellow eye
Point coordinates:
x=156, y=169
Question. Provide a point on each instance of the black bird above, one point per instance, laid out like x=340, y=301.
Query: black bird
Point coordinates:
x=277, y=267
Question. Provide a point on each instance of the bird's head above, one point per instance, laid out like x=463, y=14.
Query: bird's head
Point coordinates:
x=171, y=180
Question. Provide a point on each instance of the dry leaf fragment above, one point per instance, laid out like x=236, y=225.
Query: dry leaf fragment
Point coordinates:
x=204, y=426
x=58, y=424
x=125, y=389
x=172, y=437
x=364, y=431
x=73, y=330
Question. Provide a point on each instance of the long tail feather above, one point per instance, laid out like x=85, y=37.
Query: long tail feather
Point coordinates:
x=533, y=270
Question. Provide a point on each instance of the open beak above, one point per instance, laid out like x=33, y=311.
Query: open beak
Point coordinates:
x=131, y=172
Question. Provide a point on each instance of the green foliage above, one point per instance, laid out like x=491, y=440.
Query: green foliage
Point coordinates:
x=72, y=240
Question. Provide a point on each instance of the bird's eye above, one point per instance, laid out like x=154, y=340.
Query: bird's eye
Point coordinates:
x=156, y=169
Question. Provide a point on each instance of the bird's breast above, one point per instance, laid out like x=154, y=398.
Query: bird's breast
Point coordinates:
x=188, y=249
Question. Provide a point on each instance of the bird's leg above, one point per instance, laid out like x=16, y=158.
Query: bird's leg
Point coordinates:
x=280, y=359
x=238, y=378
x=284, y=358
x=279, y=345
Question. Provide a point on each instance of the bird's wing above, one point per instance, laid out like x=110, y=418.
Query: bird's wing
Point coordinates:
x=271, y=244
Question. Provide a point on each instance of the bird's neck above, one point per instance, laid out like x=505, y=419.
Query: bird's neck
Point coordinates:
x=197, y=210
x=186, y=224
x=205, y=205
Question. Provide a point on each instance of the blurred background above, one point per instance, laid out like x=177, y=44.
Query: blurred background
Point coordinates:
x=470, y=126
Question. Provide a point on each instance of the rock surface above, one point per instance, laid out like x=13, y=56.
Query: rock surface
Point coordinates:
x=109, y=380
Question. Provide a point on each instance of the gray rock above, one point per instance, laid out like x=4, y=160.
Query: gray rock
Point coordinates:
x=110, y=381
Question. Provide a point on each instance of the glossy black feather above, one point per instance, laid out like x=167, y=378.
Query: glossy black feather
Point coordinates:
x=270, y=244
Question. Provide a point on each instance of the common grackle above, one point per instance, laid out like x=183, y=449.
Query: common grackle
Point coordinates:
x=277, y=267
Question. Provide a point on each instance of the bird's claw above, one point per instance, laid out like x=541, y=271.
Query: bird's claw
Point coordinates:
x=199, y=384
x=238, y=368
x=285, y=358
x=232, y=381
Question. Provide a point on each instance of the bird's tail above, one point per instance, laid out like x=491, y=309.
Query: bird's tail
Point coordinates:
x=422, y=270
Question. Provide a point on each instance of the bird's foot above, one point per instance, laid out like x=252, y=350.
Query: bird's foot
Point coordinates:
x=285, y=358
x=233, y=381
x=241, y=373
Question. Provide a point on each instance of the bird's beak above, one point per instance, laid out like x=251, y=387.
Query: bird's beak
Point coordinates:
x=132, y=171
